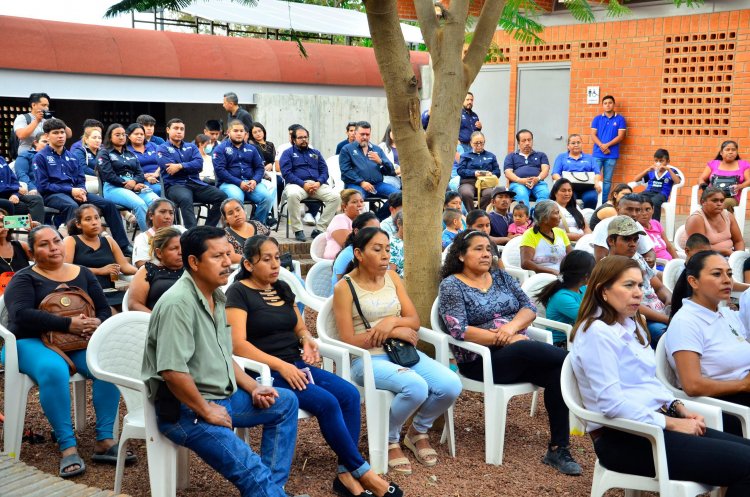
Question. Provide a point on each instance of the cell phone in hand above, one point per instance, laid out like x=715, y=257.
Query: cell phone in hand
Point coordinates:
x=308, y=373
x=17, y=222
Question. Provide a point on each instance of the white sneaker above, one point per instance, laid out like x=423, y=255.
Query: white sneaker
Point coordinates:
x=308, y=219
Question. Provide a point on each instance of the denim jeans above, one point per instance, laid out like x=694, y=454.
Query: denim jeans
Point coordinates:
x=428, y=387
x=50, y=372
x=607, y=167
x=224, y=451
x=262, y=197
x=137, y=202
x=656, y=330
x=382, y=189
x=590, y=197
x=539, y=192
x=67, y=206
x=335, y=403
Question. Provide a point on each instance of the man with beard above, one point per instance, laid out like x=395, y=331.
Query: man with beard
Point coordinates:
x=469, y=123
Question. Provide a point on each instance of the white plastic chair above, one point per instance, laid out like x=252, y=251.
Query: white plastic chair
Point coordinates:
x=667, y=375
x=115, y=354
x=534, y=285
x=679, y=243
x=230, y=280
x=605, y=479
x=309, y=300
x=125, y=298
x=736, y=262
x=16, y=393
x=669, y=207
x=511, y=256
x=496, y=397
x=334, y=174
x=317, y=247
x=378, y=402
x=672, y=272
x=318, y=280
x=587, y=213
x=585, y=243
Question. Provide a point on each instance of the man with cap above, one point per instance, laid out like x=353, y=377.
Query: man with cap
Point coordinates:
x=629, y=205
x=501, y=216
x=622, y=239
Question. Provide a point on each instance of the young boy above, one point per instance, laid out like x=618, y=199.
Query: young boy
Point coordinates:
x=521, y=221
x=452, y=220
x=660, y=178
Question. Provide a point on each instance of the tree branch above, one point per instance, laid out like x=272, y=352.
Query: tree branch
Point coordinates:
x=483, y=33
x=428, y=22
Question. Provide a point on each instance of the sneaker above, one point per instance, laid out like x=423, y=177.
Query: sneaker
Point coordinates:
x=315, y=233
x=308, y=219
x=561, y=460
x=300, y=236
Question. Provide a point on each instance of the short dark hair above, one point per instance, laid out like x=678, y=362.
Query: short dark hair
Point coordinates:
x=521, y=207
x=475, y=215
x=174, y=120
x=518, y=134
x=145, y=120
x=632, y=197
x=469, y=93
x=363, y=124
x=193, y=241
x=300, y=128
x=608, y=97
x=293, y=127
x=35, y=231
x=450, y=215
x=53, y=124
x=232, y=97
x=93, y=123
x=37, y=97
x=213, y=125
x=697, y=240
x=395, y=199
x=661, y=153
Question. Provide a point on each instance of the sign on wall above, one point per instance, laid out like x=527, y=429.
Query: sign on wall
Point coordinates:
x=592, y=95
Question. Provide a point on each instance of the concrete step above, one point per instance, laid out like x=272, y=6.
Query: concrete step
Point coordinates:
x=305, y=265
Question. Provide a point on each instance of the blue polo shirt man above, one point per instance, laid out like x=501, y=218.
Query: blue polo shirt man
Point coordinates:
x=526, y=170
x=575, y=161
x=469, y=123
x=363, y=167
x=607, y=131
x=181, y=164
x=239, y=171
x=62, y=184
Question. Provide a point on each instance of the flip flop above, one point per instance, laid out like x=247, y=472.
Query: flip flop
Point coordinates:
x=71, y=460
x=110, y=456
x=426, y=456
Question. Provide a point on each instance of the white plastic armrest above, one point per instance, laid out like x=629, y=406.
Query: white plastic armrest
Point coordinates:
x=255, y=366
x=520, y=274
x=539, y=334
x=340, y=357
x=122, y=381
x=436, y=338
x=11, y=353
x=483, y=352
x=555, y=325
x=712, y=414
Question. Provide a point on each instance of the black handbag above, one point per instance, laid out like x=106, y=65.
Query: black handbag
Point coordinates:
x=725, y=183
x=398, y=351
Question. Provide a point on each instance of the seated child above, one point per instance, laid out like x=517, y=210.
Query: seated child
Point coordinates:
x=452, y=221
x=453, y=201
x=660, y=178
x=521, y=221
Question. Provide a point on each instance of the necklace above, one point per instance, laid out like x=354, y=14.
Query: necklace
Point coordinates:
x=480, y=287
x=9, y=262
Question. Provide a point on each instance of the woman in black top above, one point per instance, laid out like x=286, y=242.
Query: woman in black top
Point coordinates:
x=238, y=228
x=86, y=246
x=267, y=327
x=14, y=255
x=45, y=367
x=152, y=280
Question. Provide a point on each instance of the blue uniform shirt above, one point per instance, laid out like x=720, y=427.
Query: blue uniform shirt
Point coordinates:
x=662, y=184
x=156, y=140
x=525, y=167
x=606, y=129
x=149, y=159
x=8, y=181
x=584, y=164
x=25, y=169
x=57, y=173
x=86, y=159
x=116, y=167
x=469, y=120
x=298, y=166
x=356, y=167
x=234, y=165
x=186, y=154
x=470, y=162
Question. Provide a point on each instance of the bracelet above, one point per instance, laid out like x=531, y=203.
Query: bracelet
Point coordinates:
x=671, y=410
x=305, y=337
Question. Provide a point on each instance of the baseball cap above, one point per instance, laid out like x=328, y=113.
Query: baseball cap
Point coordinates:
x=624, y=226
x=502, y=189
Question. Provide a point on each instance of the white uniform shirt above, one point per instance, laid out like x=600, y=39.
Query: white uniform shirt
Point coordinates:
x=617, y=375
x=600, y=237
x=142, y=245
x=719, y=338
x=569, y=220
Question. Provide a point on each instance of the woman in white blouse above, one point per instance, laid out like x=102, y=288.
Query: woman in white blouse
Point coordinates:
x=707, y=344
x=571, y=217
x=615, y=369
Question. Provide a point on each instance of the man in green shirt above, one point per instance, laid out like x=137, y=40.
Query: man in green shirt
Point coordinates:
x=189, y=372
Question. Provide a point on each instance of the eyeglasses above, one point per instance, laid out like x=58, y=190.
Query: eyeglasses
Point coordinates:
x=301, y=138
x=477, y=143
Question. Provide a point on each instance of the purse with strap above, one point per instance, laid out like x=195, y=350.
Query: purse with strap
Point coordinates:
x=67, y=301
x=399, y=352
x=487, y=181
x=580, y=177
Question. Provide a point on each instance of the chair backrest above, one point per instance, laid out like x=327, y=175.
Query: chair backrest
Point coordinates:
x=569, y=388
x=125, y=297
x=435, y=322
x=318, y=247
x=736, y=262
x=334, y=173
x=533, y=285
x=511, y=255
x=302, y=295
x=587, y=214
x=318, y=280
x=664, y=371
x=679, y=238
x=3, y=312
x=585, y=243
x=116, y=347
x=230, y=280
x=672, y=272
x=326, y=324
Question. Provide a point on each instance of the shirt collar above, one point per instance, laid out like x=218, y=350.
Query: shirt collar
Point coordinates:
x=218, y=295
x=605, y=115
x=696, y=310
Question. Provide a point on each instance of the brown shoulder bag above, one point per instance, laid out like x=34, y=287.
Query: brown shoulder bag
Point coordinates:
x=67, y=301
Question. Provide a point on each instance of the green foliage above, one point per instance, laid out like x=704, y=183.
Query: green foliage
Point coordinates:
x=127, y=6
x=519, y=20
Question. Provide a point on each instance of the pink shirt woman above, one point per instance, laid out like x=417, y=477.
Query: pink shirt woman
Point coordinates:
x=341, y=225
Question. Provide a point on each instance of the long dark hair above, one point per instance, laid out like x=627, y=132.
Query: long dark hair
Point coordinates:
x=682, y=288
x=35, y=231
x=617, y=189
x=574, y=269
x=72, y=226
x=387, y=138
x=107, y=142
x=251, y=253
x=572, y=206
x=360, y=241
x=724, y=144
x=359, y=222
x=453, y=264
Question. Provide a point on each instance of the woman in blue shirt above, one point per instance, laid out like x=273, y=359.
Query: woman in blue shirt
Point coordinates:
x=471, y=166
x=146, y=154
x=346, y=254
x=563, y=296
x=86, y=155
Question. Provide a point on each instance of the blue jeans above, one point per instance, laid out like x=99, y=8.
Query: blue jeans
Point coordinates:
x=453, y=183
x=539, y=192
x=137, y=202
x=607, y=167
x=50, y=372
x=590, y=198
x=428, y=387
x=262, y=197
x=335, y=403
x=656, y=330
x=67, y=206
x=224, y=451
x=382, y=189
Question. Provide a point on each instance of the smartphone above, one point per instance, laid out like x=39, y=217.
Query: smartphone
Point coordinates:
x=308, y=373
x=17, y=222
